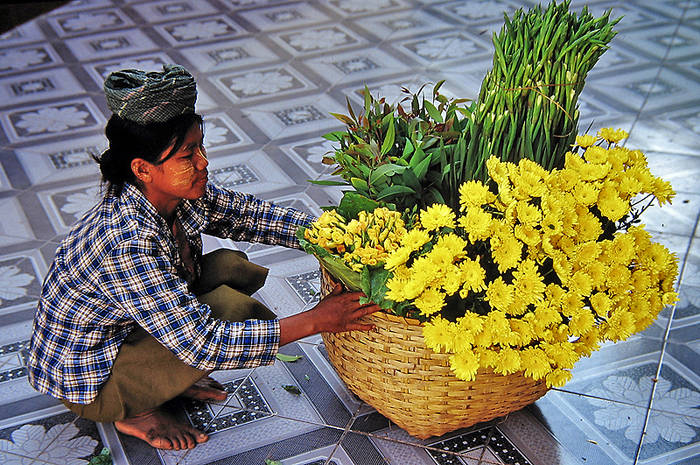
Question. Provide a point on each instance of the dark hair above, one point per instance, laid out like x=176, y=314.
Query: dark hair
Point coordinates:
x=129, y=140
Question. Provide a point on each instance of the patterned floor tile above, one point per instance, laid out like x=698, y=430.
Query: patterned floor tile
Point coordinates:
x=357, y=65
x=15, y=227
x=251, y=85
x=46, y=84
x=52, y=119
x=294, y=117
x=27, y=58
x=402, y=24
x=64, y=160
x=50, y=440
x=22, y=34
x=291, y=15
x=199, y=29
x=109, y=44
x=349, y=8
x=229, y=54
x=86, y=22
x=318, y=39
x=443, y=48
x=168, y=10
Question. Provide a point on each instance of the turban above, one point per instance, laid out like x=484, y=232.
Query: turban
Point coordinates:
x=147, y=97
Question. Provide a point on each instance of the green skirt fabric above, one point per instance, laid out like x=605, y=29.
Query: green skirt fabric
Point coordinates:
x=145, y=374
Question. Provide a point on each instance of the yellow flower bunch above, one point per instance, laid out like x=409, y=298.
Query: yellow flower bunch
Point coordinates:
x=367, y=240
x=543, y=270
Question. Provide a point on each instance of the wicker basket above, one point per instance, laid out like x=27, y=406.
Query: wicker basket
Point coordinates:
x=392, y=370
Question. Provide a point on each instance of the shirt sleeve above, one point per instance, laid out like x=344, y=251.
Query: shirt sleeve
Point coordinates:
x=144, y=284
x=243, y=217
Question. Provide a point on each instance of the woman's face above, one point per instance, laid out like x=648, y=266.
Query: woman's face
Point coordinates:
x=182, y=176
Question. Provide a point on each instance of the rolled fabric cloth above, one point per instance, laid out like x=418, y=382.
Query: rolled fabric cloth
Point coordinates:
x=147, y=97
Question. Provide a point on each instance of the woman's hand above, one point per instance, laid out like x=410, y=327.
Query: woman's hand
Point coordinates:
x=336, y=313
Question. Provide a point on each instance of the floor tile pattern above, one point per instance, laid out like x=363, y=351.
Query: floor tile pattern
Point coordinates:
x=270, y=73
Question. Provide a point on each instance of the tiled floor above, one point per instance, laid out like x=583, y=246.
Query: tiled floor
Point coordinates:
x=269, y=74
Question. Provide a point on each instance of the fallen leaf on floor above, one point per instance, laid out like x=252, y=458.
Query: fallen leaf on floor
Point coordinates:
x=306, y=377
x=292, y=388
x=288, y=358
x=272, y=462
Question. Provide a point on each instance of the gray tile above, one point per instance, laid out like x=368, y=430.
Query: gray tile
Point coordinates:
x=109, y=44
x=200, y=29
x=27, y=58
x=51, y=438
x=266, y=139
x=87, y=22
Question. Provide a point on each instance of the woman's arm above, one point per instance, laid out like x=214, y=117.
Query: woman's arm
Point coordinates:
x=336, y=313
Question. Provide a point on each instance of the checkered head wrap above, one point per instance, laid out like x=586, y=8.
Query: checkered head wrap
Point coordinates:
x=147, y=97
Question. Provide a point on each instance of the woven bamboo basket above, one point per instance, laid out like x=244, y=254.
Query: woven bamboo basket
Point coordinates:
x=392, y=370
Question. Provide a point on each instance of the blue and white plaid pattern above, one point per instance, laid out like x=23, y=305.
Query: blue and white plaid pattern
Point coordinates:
x=118, y=268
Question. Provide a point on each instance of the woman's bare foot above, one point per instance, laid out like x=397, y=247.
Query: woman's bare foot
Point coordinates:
x=161, y=430
x=206, y=389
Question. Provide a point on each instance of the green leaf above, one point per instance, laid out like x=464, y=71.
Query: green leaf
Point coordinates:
x=388, y=169
x=394, y=190
x=378, y=279
x=407, y=150
x=340, y=271
x=288, y=358
x=359, y=184
x=328, y=183
x=366, y=282
x=335, y=136
x=353, y=203
x=345, y=119
x=292, y=388
x=389, y=138
x=272, y=462
x=432, y=111
x=422, y=168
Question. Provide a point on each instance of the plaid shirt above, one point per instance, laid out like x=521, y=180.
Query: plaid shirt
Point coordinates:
x=119, y=267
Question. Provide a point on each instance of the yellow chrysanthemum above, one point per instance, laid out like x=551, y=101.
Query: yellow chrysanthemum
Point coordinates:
x=508, y=361
x=601, y=303
x=473, y=275
x=585, y=140
x=596, y=154
x=528, y=282
x=663, y=191
x=657, y=258
x=581, y=322
x=474, y=194
x=621, y=325
x=588, y=228
x=558, y=378
x=430, y=301
x=465, y=364
x=613, y=135
x=437, y=216
x=587, y=252
x=506, y=252
x=528, y=234
x=477, y=224
x=528, y=213
x=454, y=244
x=534, y=362
x=499, y=295
x=440, y=334
x=586, y=193
x=580, y=283
x=415, y=239
x=397, y=257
